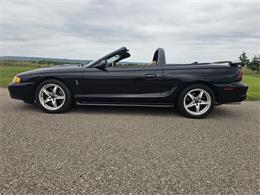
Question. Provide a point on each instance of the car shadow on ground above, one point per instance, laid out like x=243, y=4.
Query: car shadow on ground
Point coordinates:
x=224, y=112
x=219, y=112
x=124, y=110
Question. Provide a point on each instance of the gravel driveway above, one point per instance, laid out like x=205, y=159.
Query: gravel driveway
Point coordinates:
x=121, y=150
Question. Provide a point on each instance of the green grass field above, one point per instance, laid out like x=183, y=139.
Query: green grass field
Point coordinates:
x=8, y=72
x=253, y=81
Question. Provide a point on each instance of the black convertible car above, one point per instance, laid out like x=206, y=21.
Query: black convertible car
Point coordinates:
x=194, y=88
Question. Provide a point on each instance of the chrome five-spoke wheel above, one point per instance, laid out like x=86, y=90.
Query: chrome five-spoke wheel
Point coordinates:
x=52, y=97
x=197, y=101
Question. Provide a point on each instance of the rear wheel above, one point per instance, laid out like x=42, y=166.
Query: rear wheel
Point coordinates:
x=196, y=101
x=53, y=96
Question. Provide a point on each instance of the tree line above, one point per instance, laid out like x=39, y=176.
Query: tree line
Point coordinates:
x=253, y=64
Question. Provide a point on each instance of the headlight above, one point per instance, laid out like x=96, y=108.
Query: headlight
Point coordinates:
x=17, y=79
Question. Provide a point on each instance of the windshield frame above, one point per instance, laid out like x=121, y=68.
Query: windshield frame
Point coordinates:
x=121, y=51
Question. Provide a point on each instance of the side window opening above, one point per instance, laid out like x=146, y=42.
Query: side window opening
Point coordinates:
x=115, y=61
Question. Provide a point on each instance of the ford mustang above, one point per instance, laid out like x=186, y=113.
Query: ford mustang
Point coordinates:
x=193, y=88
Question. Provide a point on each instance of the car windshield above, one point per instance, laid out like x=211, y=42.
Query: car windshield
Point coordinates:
x=89, y=64
x=109, y=60
x=113, y=59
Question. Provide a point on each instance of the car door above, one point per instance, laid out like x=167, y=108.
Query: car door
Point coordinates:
x=107, y=85
x=123, y=84
x=149, y=83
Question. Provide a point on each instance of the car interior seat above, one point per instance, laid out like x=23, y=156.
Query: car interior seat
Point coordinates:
x=159, y=57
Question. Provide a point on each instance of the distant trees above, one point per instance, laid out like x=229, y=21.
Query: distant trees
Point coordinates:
x=51, y=62
x=253, y=65
x=244, y=59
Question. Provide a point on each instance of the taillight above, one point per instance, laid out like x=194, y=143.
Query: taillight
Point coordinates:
x=240, y=76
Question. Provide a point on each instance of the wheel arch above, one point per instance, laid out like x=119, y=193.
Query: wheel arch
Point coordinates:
x=39, y=81
x=196, y=82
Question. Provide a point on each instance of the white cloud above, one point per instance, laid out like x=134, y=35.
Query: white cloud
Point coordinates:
x=188, y=30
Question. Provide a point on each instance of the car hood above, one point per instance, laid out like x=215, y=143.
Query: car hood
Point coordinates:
x=52, y=69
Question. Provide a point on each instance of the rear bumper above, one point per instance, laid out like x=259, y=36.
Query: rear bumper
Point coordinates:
x=22, y=91
x=231, y=92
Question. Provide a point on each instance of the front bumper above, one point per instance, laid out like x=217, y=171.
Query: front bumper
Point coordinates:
x=232, y=92
x=22, y=91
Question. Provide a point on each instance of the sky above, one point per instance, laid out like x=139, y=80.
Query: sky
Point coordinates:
x=188, y=30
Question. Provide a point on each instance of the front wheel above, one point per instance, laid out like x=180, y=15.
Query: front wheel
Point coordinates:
x=196, y=101
x=53, y=96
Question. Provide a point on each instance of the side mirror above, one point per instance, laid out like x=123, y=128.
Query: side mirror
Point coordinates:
x=101, y=65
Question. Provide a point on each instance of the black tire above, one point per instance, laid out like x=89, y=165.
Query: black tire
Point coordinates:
x=68, y=97
x=206, y=110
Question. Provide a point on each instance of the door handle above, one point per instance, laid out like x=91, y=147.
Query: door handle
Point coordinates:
x=150, y=76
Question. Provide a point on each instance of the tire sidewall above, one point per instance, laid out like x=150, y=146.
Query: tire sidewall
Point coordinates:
x=189, y=88
x=68, y=98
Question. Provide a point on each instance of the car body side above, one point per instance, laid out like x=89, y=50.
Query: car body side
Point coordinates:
x=133, y=85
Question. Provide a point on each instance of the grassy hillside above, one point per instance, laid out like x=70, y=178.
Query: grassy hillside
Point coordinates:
x=24, y=64
x=8, y=72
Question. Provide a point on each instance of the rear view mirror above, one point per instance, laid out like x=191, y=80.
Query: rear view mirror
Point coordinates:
x=101, y=65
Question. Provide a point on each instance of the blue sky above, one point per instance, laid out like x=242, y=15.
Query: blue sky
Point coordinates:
x=189, y=30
